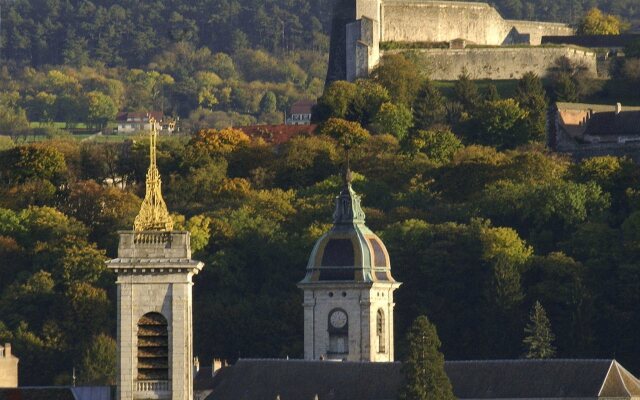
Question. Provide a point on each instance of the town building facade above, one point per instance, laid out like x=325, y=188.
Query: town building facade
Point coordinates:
x=587, y=130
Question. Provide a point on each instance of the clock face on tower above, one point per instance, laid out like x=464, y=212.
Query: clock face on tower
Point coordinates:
x=338, y=319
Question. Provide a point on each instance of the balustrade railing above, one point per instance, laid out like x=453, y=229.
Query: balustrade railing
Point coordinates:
x=152, y=238
x=152, y=386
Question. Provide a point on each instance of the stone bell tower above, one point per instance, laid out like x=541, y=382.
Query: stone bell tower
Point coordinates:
x=348, y=290
x=155, y=271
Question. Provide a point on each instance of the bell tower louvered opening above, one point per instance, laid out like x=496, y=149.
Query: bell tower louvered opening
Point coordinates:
x=153, y=348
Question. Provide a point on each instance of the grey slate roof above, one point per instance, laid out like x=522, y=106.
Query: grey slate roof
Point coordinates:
x=35, y=393
x=484, y=379
x=303, y=380
x=610, y=123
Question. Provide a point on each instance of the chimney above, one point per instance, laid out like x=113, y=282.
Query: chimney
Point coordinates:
x=196, y=365
x=618, y=108
x=216, y=365
x=7, y=350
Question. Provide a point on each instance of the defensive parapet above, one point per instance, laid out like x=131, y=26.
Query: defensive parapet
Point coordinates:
x=360, y=26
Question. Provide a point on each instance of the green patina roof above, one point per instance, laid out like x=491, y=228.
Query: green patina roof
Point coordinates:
x=350, y=251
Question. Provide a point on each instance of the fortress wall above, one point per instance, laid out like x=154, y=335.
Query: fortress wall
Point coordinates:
x=496, y=63
x=432, y=21
x=537, y=30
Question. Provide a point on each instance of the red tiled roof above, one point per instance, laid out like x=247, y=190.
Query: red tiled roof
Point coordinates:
x=302, y=107
x=277, y=134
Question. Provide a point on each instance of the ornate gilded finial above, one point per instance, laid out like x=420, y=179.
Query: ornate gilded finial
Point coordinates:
x=153, y=215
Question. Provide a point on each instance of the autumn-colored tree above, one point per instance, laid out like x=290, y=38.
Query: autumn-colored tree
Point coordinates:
x=595, y=22
x=220, y=142
x=347, y=133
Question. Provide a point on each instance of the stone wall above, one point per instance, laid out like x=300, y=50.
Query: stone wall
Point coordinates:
x=537, y=30
x=438, y=21
x=496, y=63
x=433, y=21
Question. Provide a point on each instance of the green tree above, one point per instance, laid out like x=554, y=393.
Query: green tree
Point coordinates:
x=366, y=103
x=425, y=378
x=98, y=366
x=13, y=119
x=428, y=107
x=539, y=337
x=268, y=103
x=440, y=145
x=499, y=123
x=399, y=76
x=23, y=163
x=466, y=92
x=101, y=108
x=491, y=93
x=393, y=119
x=531, y=96
x=597, y=23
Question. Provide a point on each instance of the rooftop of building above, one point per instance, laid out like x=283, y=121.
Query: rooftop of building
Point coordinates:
x=349, y=251
x=474, y=379
x=124, y=115
x=302, y=106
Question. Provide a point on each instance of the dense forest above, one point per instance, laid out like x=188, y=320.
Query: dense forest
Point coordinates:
x=481, y=222
x=131, y=33
x=75, y=64
x=480, y=219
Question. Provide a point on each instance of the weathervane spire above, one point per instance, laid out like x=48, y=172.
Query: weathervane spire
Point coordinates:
x=153, y=215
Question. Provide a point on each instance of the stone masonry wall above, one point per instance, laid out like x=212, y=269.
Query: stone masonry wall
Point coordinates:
x=432, y=21
x=496, y=63
x=537, y=30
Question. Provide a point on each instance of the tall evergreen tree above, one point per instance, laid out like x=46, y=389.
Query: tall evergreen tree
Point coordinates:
x=429, y=107
x=539, y=336
x=425, y=378
x=531, y=96
x=466, y=92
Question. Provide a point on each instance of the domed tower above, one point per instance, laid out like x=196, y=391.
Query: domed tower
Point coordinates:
x=348, y=289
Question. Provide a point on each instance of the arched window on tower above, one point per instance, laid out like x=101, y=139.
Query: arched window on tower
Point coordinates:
x=153, y=348
x=380, y=331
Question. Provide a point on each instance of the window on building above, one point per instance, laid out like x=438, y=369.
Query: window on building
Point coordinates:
x=153, y=348
x=380, y=332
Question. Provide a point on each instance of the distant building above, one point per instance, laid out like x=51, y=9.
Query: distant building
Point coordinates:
x=300, y=113
x=586, y=130
x=131, y=122
x=277, y=134
x=8, y=367
x=485, y=379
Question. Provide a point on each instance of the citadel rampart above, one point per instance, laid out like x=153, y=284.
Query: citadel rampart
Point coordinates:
x=496, y=63
x=360, y=25
x=479, y=23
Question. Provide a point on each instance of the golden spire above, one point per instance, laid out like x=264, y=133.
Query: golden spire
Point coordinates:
x=153, y=215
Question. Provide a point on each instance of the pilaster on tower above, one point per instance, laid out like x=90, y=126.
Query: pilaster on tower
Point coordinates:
x=154, y=280
x=348, y=289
